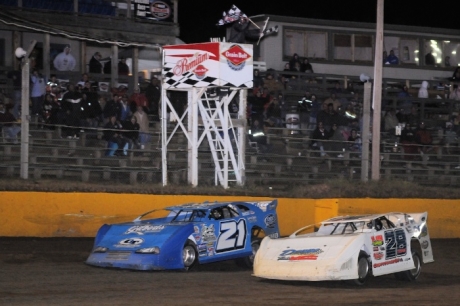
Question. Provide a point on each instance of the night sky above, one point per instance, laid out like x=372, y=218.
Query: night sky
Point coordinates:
x=198, y=18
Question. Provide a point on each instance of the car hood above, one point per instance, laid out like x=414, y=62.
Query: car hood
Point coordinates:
x=142, y=234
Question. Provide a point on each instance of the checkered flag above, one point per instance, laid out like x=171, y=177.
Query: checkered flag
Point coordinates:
x=231, y=15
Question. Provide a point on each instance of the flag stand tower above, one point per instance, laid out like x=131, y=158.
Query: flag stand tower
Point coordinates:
x=215, y=77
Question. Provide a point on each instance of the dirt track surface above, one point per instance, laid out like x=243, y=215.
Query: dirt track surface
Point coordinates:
x=52, y=272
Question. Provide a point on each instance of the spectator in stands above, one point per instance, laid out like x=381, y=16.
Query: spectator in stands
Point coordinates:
x=333, y=100
x=292, y=62
x=257, y=134
x=450, y=137
x=257, y=103
x=111, y=107
x=338, y=89
x=131, y=132
x=405, y=102
x=354, y=141
x=143, y=121
x=9, y=123
x=153, y=95
x=272, y=84
x=337, y=139
x=114, y=138
x=306, y=66
x=37, y=93
x=123, y=68
x=107, y=67
x=284, y=105
x=273, y=113
x=320, y=136
x=447, y=61
x=16, y=76
x=315, y=108
x=414, y=116
x=48, y=104
x=423, y=139
x=138, y=99
x=357, y=104
x=423, y=91
x=390, y=121
x=71, y=104
x=124, y=110
x=91, y=110
x=408, y=142
x=392, y=59
x=384, y=58
x=429, y=59
x=64, y=61
x=455, y=94
x=287, y=68
x=456, y=74
x=258, y=80
x=328, y=116
x=95, y=66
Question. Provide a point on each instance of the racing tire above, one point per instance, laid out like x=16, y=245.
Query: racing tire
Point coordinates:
x=248, y=261
x=413, y=274
x=189, y=255
x=364, y=269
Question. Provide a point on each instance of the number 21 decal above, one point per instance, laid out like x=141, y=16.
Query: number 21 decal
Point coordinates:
x=232, y=236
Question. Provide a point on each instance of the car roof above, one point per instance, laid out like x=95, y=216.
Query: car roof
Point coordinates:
x=357, y=218
x=204, y=205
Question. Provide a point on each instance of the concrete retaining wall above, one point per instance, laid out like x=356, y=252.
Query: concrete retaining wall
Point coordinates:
x=47, y=214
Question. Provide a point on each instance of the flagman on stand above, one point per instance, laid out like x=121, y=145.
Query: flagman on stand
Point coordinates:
x=240, y=30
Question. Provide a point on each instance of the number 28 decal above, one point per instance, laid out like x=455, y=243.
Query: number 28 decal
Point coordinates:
x=232, y=236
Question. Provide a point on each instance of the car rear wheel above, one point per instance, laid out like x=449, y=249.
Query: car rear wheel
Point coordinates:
x=189, y=255
x=363, y=269
x=413, y=274
x=248, y=261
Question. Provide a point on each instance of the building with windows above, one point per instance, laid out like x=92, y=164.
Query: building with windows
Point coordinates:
x=348, y=48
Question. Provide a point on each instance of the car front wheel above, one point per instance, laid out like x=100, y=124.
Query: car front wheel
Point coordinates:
x=413, y=274
x=189, y=255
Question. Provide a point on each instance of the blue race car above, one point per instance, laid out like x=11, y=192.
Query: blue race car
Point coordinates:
x=179, y=237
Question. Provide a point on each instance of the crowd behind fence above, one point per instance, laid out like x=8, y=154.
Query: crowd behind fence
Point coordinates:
x=288, y=156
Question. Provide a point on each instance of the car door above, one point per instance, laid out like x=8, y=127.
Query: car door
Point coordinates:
x=390, y=250
x=232, y=234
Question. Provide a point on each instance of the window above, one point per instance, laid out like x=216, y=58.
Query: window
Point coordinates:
x=353, y=47
x=451, y=50
x=406, y=49
x=305, y=43
x=433, y=53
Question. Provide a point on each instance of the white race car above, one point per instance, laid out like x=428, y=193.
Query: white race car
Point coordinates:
x=349, y=248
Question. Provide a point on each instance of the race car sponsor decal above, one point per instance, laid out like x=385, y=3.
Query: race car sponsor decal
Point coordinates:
x=142, y=229
x=130, y=242
x=252, y=219
x=377, y=240
x=424, y=231
x=388, y=262
x=211, y=251
x=274, y=235
x=378, y=255
x=232, y=236
x=197, y=237
x=196, y=229
x=396, y=244
x=270, y=220
x=207, y=232
x=202, y=250
x=425, y=244
x=298, y=255
x=375, y=249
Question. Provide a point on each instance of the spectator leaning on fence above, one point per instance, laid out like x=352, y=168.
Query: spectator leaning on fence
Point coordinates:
x=8, y=123
x=143, y=121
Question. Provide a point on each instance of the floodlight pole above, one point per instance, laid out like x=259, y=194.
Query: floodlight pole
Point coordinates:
x=377, y=93
x=25, y=95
